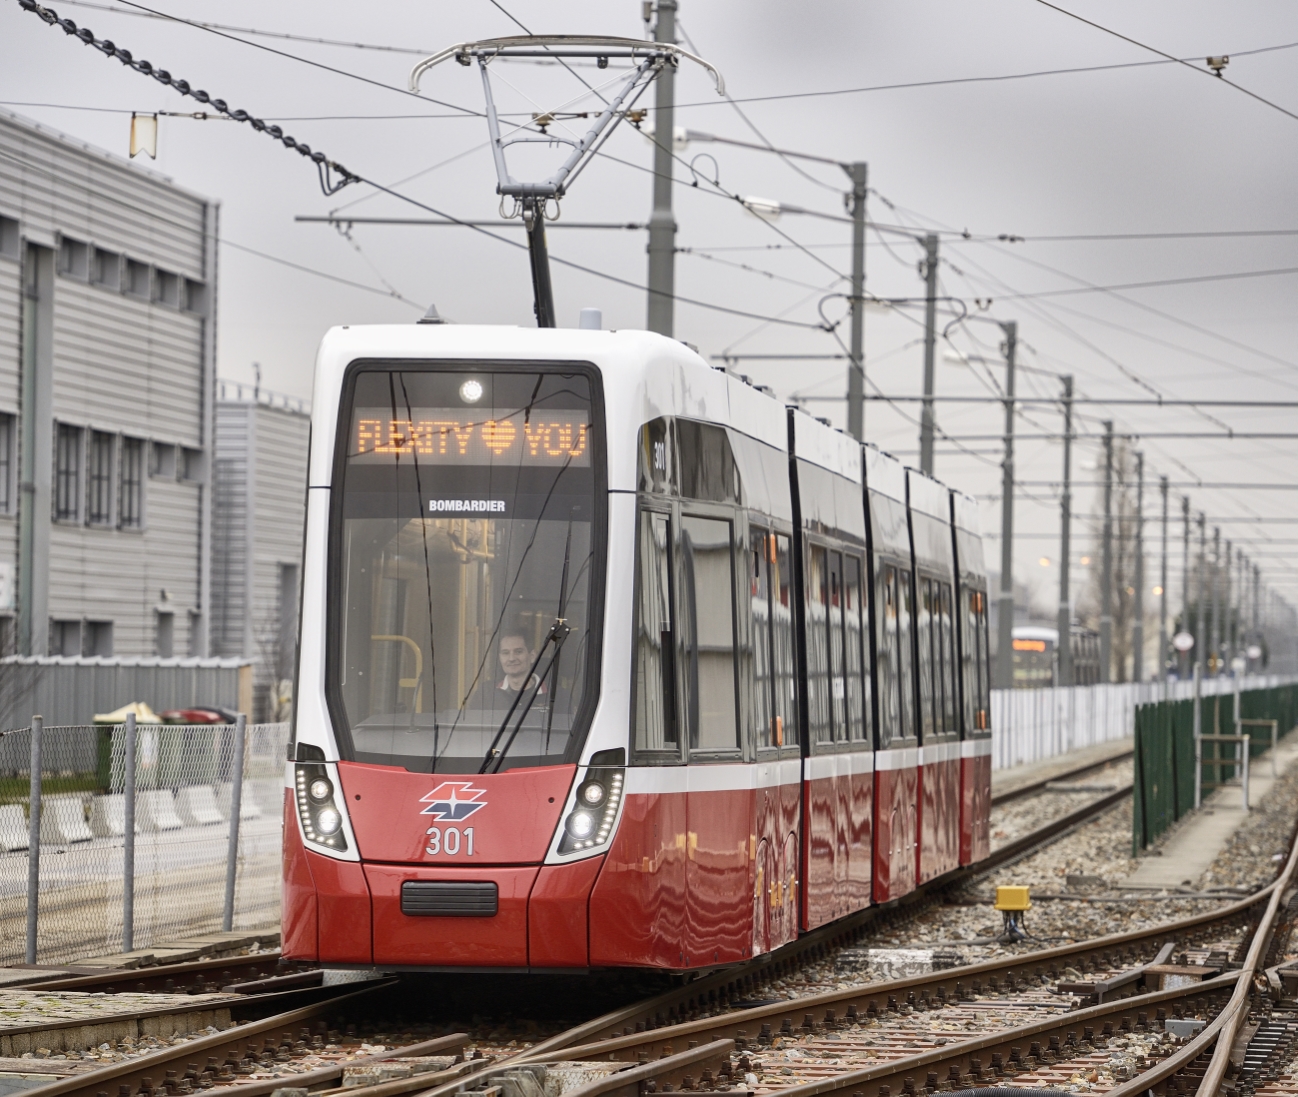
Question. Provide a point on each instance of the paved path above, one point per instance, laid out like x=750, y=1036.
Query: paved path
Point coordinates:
x=1007, y=780
x=1188, y=853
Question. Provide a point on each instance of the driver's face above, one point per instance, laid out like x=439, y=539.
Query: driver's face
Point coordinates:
x=513, y=655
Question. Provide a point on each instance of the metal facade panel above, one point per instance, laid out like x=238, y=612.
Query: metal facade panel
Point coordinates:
x=279, y=502
x=10, y=332
x=231, y=523
x=122, y=364
x=54, y=183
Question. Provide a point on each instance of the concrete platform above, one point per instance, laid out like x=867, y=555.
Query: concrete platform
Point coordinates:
x=1010, y=780
x=1200, y=836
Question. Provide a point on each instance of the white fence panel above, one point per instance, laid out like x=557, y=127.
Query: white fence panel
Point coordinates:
x=1030, y=725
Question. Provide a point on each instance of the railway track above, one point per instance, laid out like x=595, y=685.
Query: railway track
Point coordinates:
x=976, y=1025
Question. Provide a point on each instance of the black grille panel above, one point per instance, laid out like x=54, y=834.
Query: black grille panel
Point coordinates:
x=437, y=898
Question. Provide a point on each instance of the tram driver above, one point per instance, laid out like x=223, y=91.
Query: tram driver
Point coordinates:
x=516, y=659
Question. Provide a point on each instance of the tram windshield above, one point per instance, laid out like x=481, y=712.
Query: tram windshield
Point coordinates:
x=463, y=560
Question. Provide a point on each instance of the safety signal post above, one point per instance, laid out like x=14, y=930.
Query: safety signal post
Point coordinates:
x=532, y=199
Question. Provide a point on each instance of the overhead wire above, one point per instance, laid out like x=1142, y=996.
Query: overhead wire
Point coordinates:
x=1161, y=53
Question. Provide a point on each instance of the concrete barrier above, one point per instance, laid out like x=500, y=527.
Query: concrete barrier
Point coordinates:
x=108, y=816
x=196, y=806
x=13, y=828
x=156, y=810
x=248, y=806
x=63, y=820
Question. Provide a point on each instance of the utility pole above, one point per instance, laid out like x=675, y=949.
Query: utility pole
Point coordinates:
x=662, y=222
x=1162, y=584
x=1065, y=621
x=1106, y=575
x=1138, y=610
x=929, y=269
x=1214, y=626
x=1005, y=609
x=1184, y=671
x=856, y=367
x=1201, y=618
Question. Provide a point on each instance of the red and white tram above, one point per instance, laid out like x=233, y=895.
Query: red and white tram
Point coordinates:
x=608, y=659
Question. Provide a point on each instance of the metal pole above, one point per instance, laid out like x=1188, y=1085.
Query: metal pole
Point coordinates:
x=128, y=837
x=236, y=805
x=1106, y=577
x=1214, y=623
x=1005, y=607
x=1185, y=660
x=1198, y=731
x=856, y=368
x=1064, y=622
x=662, y=222
x=1162, y=584
x=1227, y=611
x=34, y=840
x=1200, y=609
x=926, y=422
x=538, y=253
x=1138, y=609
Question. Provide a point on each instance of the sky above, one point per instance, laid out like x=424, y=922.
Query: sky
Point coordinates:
x=969, y=130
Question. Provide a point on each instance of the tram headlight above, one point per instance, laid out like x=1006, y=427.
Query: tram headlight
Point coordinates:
x=590, y=823
x=318, y=807
x=471, y=391
x=581, y=824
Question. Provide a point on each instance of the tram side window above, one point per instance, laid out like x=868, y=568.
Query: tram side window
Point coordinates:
x=761, y=550
x=985, y=672
x=706, y=619
x=655, y=708
x=948, y=662
x=887, y=603
x=929, y=683
x=968, y=661
x=783, y=647
x=854, y=620
x=837, y=647
x=818, y=666
x=905, y=619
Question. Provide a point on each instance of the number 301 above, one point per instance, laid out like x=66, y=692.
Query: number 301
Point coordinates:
x=450, y=842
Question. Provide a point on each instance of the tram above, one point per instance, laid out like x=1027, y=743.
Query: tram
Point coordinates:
x=608, y=659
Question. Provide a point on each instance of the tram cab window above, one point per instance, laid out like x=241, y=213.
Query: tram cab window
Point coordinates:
x=463, y=555
x=655, y=678
x=706, y=621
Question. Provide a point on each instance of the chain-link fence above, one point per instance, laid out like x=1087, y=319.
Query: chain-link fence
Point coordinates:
x=98, y=892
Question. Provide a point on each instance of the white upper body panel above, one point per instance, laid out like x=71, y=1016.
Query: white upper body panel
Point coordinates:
x=884, y=473
x=645, y=376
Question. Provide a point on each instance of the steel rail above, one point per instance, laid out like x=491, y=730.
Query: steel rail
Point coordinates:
x=1020, y=791
x=151, y=978
x=129, y=1074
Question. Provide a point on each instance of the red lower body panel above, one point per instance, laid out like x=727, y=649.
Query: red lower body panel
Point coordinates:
x=837, y=826
x=343, y=901
x=896, y=792
x=451, y=942
x=557, y=927
x=975, y=800
x=299, y=908
x=939, y=841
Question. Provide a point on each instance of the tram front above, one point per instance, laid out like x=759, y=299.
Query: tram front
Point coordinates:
x=448, y=678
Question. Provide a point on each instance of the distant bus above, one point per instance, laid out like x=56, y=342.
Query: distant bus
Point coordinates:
x=1036, y=662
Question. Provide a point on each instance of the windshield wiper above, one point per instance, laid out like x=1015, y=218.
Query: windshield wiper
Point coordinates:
x=557, y=635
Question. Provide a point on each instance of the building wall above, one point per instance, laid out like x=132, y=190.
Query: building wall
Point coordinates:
x=260, y=475
x=131, y=357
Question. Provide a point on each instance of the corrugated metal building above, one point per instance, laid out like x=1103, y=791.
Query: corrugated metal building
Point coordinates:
x=107, y=303
x=260, y=507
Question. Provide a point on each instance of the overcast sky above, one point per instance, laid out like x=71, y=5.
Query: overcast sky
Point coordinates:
x=1143, y=148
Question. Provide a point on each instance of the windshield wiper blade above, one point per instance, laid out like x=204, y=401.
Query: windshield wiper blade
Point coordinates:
x=557, y=635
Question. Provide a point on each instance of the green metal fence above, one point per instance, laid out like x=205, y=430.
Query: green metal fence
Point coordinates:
x=1164, y=751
